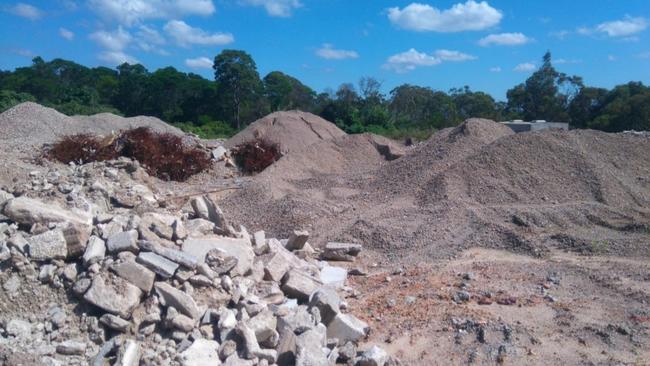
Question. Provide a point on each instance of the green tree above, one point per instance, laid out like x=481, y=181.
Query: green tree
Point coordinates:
x=474, y=104
x=238, y=81
x=545, y=95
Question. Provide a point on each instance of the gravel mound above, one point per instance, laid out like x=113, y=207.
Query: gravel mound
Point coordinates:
x=291, y=130
x=30, y=124
x=478, y=184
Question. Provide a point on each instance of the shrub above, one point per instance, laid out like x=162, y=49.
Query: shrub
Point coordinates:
x=161, y=154
x=255, y=156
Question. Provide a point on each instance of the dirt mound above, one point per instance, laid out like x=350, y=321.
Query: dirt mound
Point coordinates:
x=292, y=130
x=31, y=124
x=478, y=184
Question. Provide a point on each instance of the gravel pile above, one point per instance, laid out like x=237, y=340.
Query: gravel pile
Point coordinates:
x=291, y=130
x=30, y=124
x=478, y=184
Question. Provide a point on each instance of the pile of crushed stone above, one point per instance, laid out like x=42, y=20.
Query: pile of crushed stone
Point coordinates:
x=30, y=124
x=477, y=184
x=290, y=130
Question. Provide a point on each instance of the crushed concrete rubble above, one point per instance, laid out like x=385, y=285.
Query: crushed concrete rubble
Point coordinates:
x=172, y=288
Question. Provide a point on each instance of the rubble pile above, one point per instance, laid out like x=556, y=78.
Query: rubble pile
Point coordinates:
x=145, y=286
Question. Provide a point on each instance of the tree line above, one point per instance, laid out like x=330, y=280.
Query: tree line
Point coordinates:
x=238, y=96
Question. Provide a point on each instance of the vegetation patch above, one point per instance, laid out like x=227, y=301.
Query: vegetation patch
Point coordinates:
x=161, y=154
x=255, y=156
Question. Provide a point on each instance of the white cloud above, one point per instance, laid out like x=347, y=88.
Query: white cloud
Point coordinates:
x=495, y=69
x=149, y=39
x=276, y=8
x=328, y=52
x=611, y=58
x=410, y=60
x=26, y=11
x=67, y=34
x=129, y=12
x=562, y=34
x=623, y=28
x=185, y=35
x=525, y=67
x=199, y=63
x=453, y=56
x=564, y=61
x=469, y=16
x=114, y=41
x=504, y=39
x=115, y=58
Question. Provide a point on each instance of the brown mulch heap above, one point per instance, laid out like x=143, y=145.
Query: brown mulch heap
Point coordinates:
x=162, y=154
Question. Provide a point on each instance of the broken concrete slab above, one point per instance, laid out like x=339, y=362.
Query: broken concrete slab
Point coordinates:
x=333, y=276
x=48, y=245
x=297, y=240
x=375, y=356
x=115, y=322
x=183, y=302
x=275, y=267
x=328, y=303
x=28, y=211
x=201, y=352
x=172, y=254
x=95, y=251
x=299, y=284
x=310, y=348
x=159, y=264
x=345, y=252
x=136, y=274
x=347, y=327
x=205, y=208
x=234, y=247
x=113, y=294
x=125, y=240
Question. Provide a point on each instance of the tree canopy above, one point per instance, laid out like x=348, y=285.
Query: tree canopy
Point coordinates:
x=237, y=96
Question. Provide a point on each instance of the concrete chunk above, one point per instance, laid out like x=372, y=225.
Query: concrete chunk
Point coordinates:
x=275, y=267
x=113, y=294
x=234, y=247
x=126, y=240
x=178, y=299
x=341, y=251
x=201, y=352
x=48, y=245
x=328, y=303
x=346, y=327
x=159, y=264
x=310, y=348
x=375, y=356
x=136, y=274
x=115, y=322
x=95, y=251
x=299, y=285
x=28, y=211
x=297, y=240
x=174, y=255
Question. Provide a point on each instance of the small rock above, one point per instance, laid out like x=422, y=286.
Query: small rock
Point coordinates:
x=375, y=356
x=48, y=245
x=159, y=264
x=71, y=348
x=115, y=322
x=297, y=240
x=201, y=352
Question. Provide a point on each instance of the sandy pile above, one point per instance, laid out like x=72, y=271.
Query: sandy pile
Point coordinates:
x=478, y=184
x=291, y=130
x=31, y=124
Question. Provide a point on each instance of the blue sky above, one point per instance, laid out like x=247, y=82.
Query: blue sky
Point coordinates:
x=488, y=45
